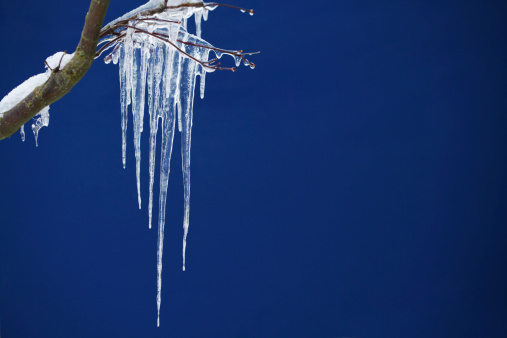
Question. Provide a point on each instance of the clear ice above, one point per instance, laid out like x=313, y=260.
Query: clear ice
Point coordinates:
x=162, y=72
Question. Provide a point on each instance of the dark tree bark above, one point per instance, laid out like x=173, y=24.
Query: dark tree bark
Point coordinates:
x=60, y=82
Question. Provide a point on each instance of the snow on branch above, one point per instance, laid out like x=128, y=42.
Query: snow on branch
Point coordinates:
x=60, y=81
x=34, y=96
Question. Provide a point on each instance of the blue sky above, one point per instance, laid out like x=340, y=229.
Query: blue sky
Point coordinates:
x=352, y=185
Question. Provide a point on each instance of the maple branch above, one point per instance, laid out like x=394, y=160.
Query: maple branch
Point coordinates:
x=60, y=82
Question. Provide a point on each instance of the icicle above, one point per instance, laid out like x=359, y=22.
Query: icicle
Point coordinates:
x=202, y=73
x=22, y=132
x=140, y=64
x=167, y=145
x=154, y=101
x=116, y=55
x=129, y=56
x=178, y=94
x=125, y=85
x=202, y=82
x=165, y=161
x=124, y=106
x=145, y=57
x=237, y=60
x=198, y=16
x=136, y=113
x=36, y=134
x=153, y=130
x=41, y=120
x=187, y=85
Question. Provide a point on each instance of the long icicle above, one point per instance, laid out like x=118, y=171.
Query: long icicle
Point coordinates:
x=187, y=86
x=154, y=101
x=136, y=112
x=124, y=105
x=129, y=55
x=165, y=161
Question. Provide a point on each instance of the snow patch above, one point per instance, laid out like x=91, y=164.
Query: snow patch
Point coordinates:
x=21, y=91
x=59, y=59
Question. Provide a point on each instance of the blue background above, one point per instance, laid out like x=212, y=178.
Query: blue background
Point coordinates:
x=353, y=185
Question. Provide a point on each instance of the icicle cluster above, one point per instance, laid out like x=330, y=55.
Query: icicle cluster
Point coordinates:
x=159, y=62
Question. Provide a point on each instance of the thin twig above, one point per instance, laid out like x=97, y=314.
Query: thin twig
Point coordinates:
x=158, y=36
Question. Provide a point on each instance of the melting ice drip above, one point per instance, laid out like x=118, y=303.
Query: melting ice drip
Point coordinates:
x=157, y=50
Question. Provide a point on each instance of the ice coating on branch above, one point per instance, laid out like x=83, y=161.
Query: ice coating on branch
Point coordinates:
x=159, y=61
x=55, y=62
x=152, y=4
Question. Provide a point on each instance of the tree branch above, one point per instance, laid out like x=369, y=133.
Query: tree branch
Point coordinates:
x=60, y=82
